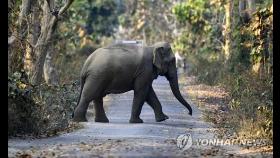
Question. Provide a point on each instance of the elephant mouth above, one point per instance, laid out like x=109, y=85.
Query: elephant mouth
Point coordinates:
x=161, y=73
x=168, y=77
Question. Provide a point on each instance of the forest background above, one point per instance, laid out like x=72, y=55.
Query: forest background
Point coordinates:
x=224, y=42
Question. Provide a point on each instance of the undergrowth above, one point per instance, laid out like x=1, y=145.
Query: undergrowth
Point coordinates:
x=39, y=110
x=246, y=76
x=249, y=106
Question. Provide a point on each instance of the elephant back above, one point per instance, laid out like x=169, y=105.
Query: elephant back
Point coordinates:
x=128, y=46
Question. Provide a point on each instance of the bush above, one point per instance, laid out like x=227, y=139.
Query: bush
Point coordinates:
x=250, y=104
x=39, y=109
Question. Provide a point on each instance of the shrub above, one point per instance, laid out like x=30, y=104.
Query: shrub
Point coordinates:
x=251, y=105
x=39, y=109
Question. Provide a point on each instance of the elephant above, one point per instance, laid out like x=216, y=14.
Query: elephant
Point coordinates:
x=119, y=68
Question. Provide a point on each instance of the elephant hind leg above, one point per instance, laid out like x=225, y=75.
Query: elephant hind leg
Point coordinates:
x=100, y=115
x=89, y=93
x=80, y=111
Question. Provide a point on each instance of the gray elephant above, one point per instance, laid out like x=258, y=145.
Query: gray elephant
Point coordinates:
x=119, y=68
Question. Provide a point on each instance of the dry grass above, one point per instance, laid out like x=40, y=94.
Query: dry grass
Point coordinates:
x=214, y=102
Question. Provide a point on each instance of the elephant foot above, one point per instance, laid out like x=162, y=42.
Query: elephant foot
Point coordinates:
x=135, y=120
x=79, y=119
x=162, y=117
x=102, y=119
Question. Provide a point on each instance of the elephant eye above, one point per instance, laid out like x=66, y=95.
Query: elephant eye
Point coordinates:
x=161, y=51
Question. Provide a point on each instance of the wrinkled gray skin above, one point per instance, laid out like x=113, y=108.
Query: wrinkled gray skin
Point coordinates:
x=123, y=67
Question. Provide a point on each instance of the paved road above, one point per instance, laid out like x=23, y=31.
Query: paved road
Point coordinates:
x=121, y=139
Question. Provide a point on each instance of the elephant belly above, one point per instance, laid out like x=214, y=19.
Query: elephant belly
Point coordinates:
x=119, y=86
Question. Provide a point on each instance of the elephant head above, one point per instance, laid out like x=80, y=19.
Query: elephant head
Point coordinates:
x=164, y=61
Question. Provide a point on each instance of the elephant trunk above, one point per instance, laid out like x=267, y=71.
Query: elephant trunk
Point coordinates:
x=175, y=90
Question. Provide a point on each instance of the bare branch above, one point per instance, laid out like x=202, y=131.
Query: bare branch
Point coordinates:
x=65, y=7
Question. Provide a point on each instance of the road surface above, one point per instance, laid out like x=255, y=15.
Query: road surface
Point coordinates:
x=122, y=139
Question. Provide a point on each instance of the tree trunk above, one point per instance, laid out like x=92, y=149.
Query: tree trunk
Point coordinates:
x=22, y=22
x=15, y=56
x=50, y=74
x=241, y=8
x=270, y=37
x=263, y=67
x=227, y=31
x=48, y=25
x=251, y=7
x=34, y=33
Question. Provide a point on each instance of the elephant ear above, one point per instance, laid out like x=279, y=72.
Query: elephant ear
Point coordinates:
x=157, y=57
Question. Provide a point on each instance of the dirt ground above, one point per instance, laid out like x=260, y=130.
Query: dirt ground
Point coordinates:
x=122, y=139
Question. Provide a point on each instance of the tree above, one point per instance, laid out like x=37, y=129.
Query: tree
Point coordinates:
x=241, y=10
x=34, y=30
x=18, y=33
x=50, y=73
x=251, y=7
x=246, y=9
x=48, y=25
x=150, y=21
x=227, y=28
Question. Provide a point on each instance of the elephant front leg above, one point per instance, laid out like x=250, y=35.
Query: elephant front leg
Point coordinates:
x=138, y=101
x=153, y=101
x=100, y=115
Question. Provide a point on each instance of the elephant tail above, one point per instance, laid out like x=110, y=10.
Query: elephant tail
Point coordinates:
x=81, y=90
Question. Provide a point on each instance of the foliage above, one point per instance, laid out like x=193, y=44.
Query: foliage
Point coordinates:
x=195, y=12
x=206, y=68
x=201, y=31
x=251, y=92
x=192, y=14
x=13, y=12
x=250, y=103
x=253, y=43
x=201, y=40
x=195, y=28
x=86, y=20
x=70, y=65
x=34, y=109
x=201, y=37
x=261, y=28
x=14, y=53
x=150, y=21
x=82, y=33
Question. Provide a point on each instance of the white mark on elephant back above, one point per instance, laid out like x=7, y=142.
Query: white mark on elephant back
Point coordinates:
x=136, y=42
x=127, y=45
